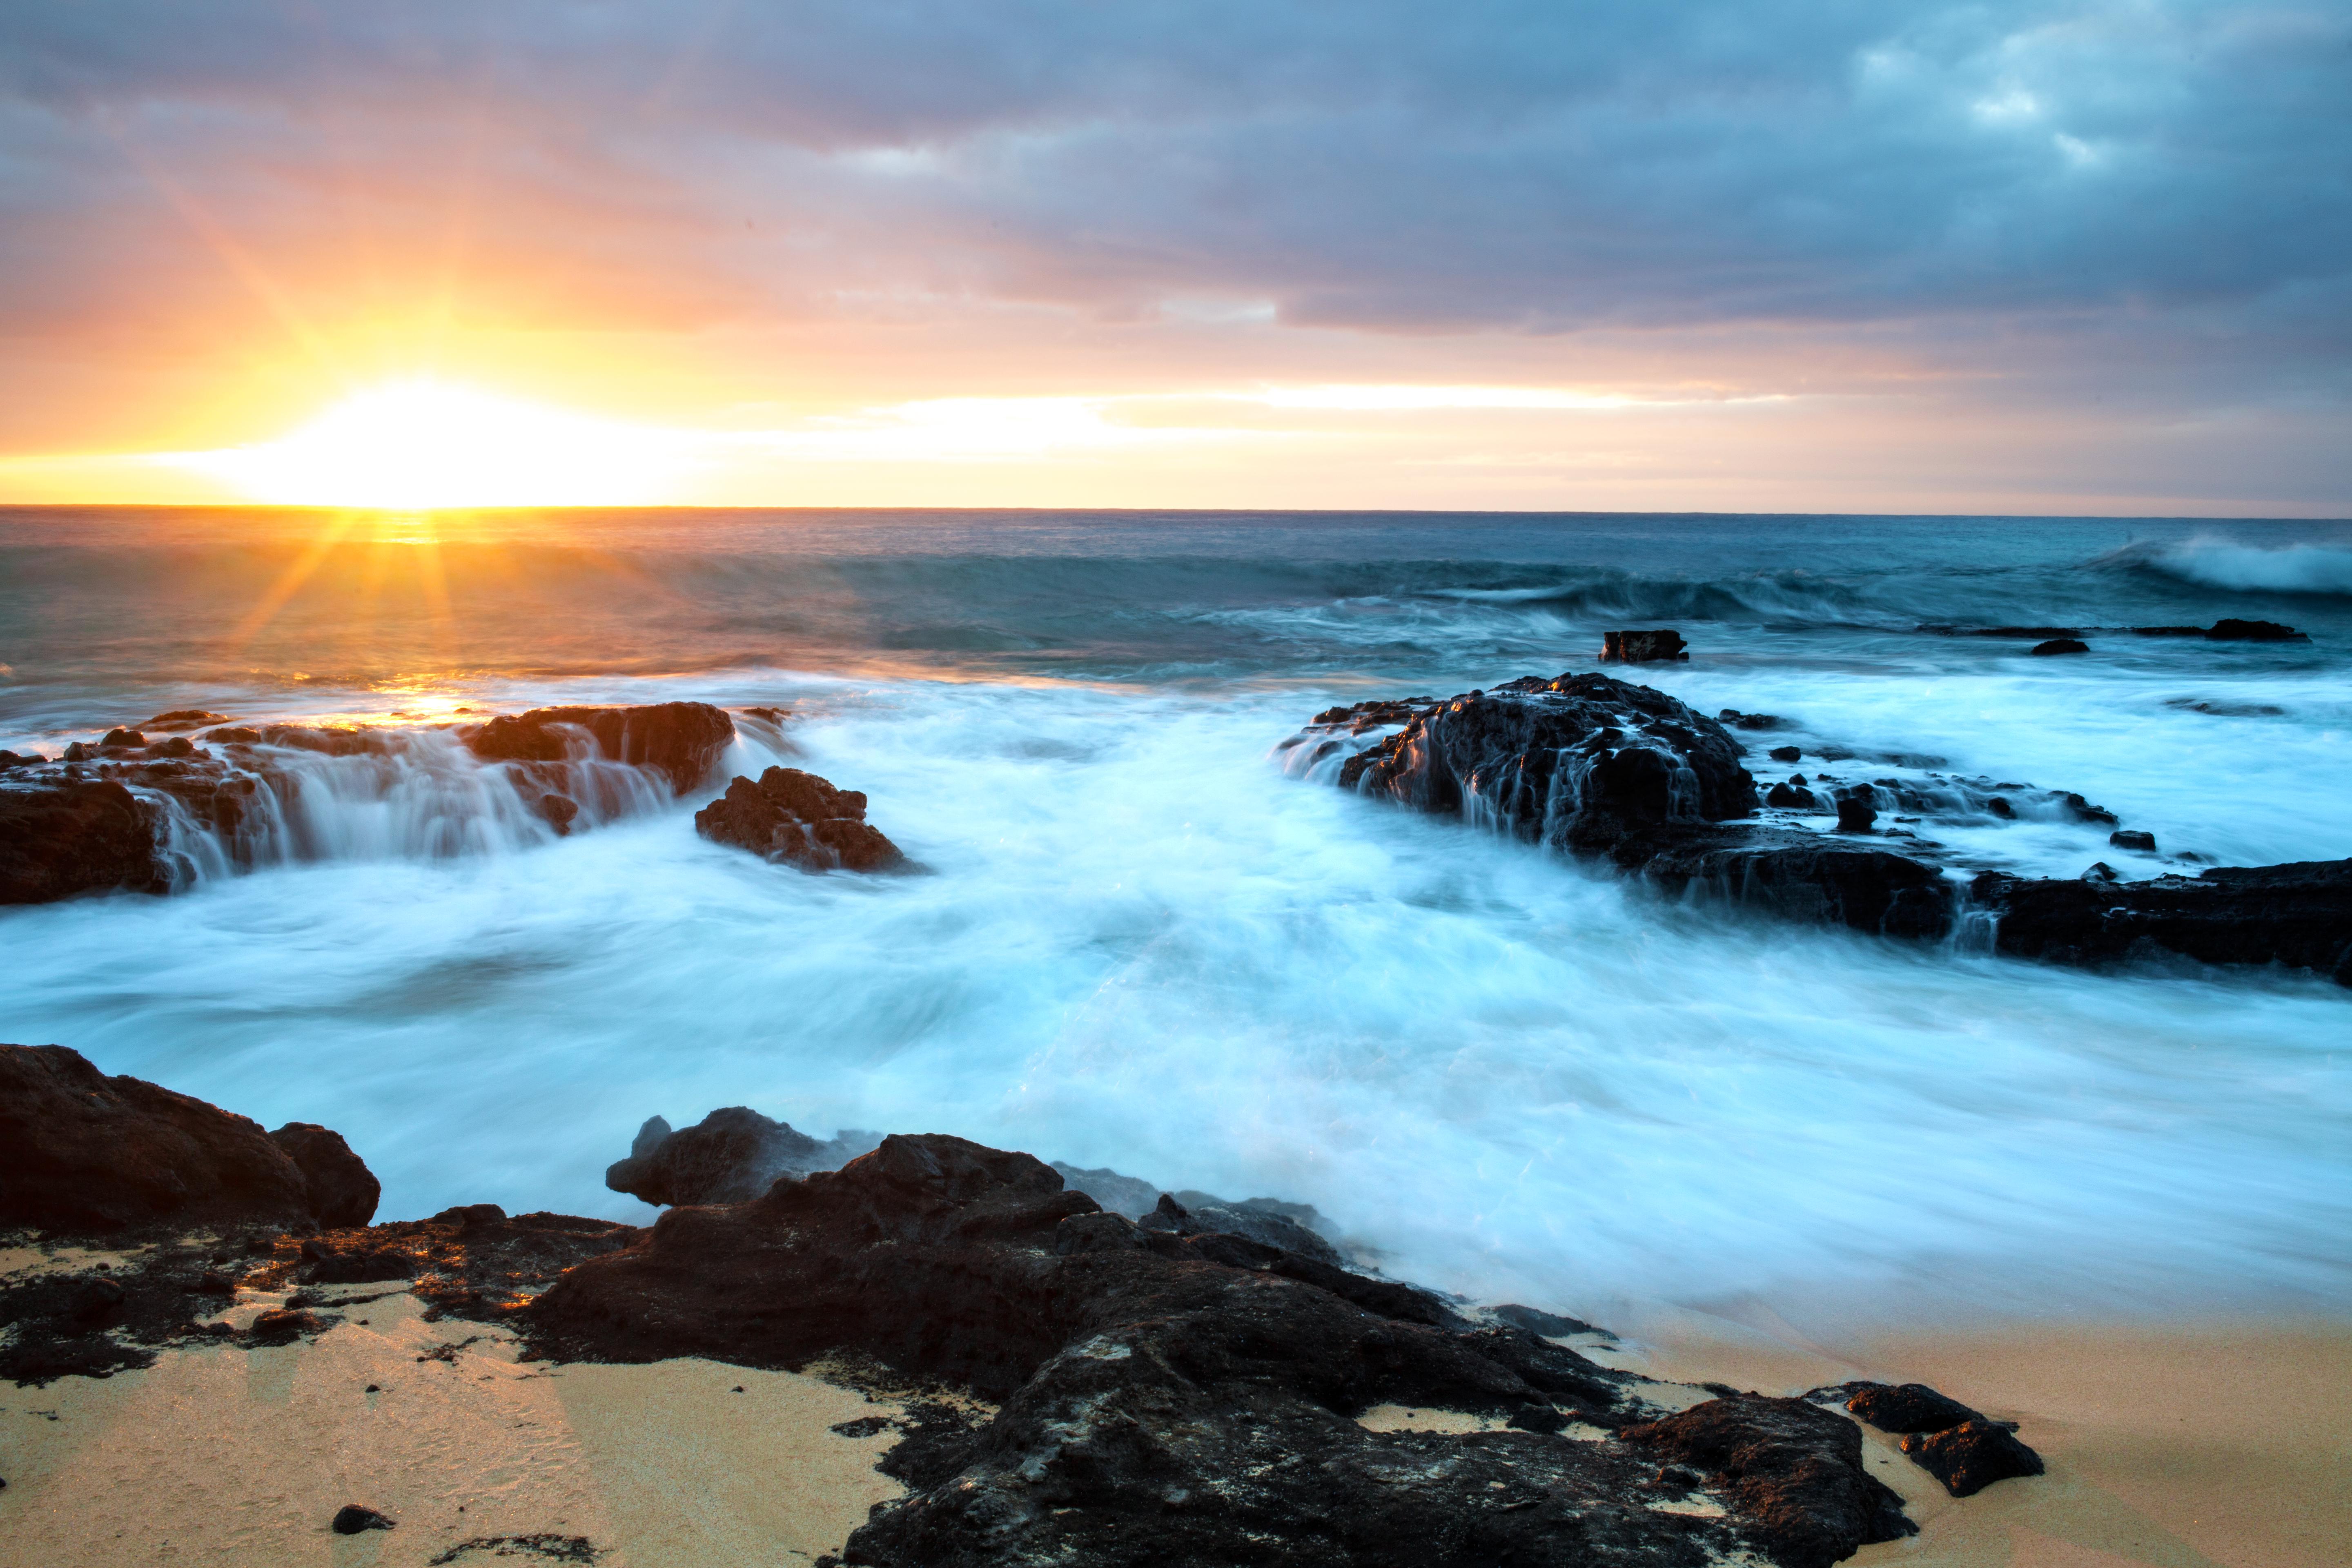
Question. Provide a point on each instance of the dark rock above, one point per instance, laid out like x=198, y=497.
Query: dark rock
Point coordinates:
x=797, y=817
x=1791, y=797
x=1972, y=1456
x=2133, y=838
x=77, y=836
x=1797, y=1469
x=545, y=1545
x=1128, y=1195
x=558, y=810
x=2225, y=710
x=681, y=741
x=2099, y=874
x=2061, y=644
x=41, y=1360
x=1786, y=754
x=1277, y=1231
x=213, y=1283
x=284, y=1325
x=2298, y=916
x=361, y=1267
x=1166, y=1398
x=732, y=1154
x=1855, y=809
x=2000, y=807
x=1739, y=721
x=20, y=760
x=185, y=718
x=341, y=1190
x=2082, y=810
x=1550, y=1325
x=1906, y=1407
x=2253, y=631
x=120, y=737
x=351, y=1519
x=83, y=1151
x=1641, y=648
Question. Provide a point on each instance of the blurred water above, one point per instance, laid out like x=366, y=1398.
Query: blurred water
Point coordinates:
x=1136, y=943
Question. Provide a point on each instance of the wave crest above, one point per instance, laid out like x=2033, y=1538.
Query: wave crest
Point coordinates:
x=2215, y=562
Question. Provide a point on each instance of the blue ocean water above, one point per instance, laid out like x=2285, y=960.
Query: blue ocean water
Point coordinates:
x=1135, y=942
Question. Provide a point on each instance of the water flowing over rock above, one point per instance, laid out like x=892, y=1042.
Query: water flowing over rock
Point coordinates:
x=798, y=818
x=1185, y=1399
x=82, y=1152
x=680, y=741
x=2297, y=915
x=731, y=1155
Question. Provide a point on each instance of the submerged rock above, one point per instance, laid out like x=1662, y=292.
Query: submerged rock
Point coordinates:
x=1187, y=1399
x=797, y=817
x=80, y=1151
x=1641, y=648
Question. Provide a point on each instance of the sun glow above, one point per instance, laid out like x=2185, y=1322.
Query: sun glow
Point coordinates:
x=417, y=444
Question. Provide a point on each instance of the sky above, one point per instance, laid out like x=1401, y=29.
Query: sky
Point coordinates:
x=2067, y=258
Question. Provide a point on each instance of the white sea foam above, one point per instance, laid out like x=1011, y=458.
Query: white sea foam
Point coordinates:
x=2222, y=562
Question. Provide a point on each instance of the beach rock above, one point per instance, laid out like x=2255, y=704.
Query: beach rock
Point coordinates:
x=2061, y=644
x=83, y=1151
x=797, y=817
x=1641, y=648
x=731, y=1155
x=1905, y=1406
x=1795, y=1468
x=352, y=1519
x=2133, y=838
x=2298, y=916
x=338, y=1187
x=2253, y=631
x=1180, y=1399
x=681, y=741
x=1972, y=1456
x=76, y=835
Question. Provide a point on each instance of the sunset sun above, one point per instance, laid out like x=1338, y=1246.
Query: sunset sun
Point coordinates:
x=419, y=444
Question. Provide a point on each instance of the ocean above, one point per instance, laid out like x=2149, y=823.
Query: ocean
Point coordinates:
x=1135, y=941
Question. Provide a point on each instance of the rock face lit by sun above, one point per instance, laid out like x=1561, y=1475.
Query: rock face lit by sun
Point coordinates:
x=423, y=444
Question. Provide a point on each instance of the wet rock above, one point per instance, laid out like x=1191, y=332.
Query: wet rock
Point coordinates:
x=2297, y=915
x=20, y=760
x=352, y=1519
x=558, y=810
x=1795, y=1468
x=1551, y=1325
x=2253, y=631
x=1178, y=1399
x=1793, y=797
x=797, y=817
x=1902, y=1407
x=2133, y=838
x=1128, y=1196
x=2060, y=644
x=185, y=718
x=1739, y=721
x=681, y=741
x=83, y=1151
x=1786, y=754
x=76, y=835
x=1268, y=1230
x=731, y=1155
x=338, y=1188
x=1855, y=809
x=2082, y=810
x=123, y=737
x=1641, y=648
x=1972, y=1456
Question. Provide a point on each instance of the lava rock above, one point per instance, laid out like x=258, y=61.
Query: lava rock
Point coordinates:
x=731, y=1155
x=681, y=741
x=2133, y=838
x=1972, y=1456
x=77, y=836
x=1795, y=1467
x=83, y=1151
x=797, y=817
x=351, y=1519
x=339, y=1188
x=1641, y=648
x=2253, y=631
x=2297, y=915
x=2061, y=644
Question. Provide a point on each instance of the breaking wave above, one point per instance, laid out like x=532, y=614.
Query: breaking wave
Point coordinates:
x=2217, y=563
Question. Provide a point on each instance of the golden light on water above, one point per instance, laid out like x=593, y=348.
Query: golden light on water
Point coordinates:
x=422, y=443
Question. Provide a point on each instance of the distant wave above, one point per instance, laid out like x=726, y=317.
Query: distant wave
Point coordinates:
x=2219, y=563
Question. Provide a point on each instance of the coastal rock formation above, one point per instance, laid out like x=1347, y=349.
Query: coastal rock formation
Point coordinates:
x=337, y=1187
x=731, y=1155
x=1193, y=1399
x=1965, y=1449
x=680, y=741
x=2297, y=915
x=124, y=813
x=80, y=1151
x=1641, y=648
x=797, y=817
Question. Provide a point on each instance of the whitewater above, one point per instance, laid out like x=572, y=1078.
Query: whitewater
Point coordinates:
x=1135, y=941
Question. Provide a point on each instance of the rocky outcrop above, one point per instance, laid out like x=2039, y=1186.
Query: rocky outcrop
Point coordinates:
x=1795, y=1469
x=1641, y=648
x=2298, y=916
x=1965, y=1449
x=731, y=1155
x=1188, y=1399
x=799, y=818
x=80, y=1151
x=76, y=835
x=681, y=741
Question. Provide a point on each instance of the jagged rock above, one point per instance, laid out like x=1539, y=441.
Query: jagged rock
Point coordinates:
x=337, y=1184
x=2297, y=915
x=2253, y=631
x=1179, y=1400
x=76, y=835
x=1795, y=1468
x=1970, y=1457
x=732, y=1154
x=797, y=817
x=1641, y=648
x=2061, y=644
x=682, y=741
x=83, y=1151
x=1128, y=1196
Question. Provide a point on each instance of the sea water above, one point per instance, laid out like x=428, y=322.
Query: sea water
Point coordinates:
x=1133, y=941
